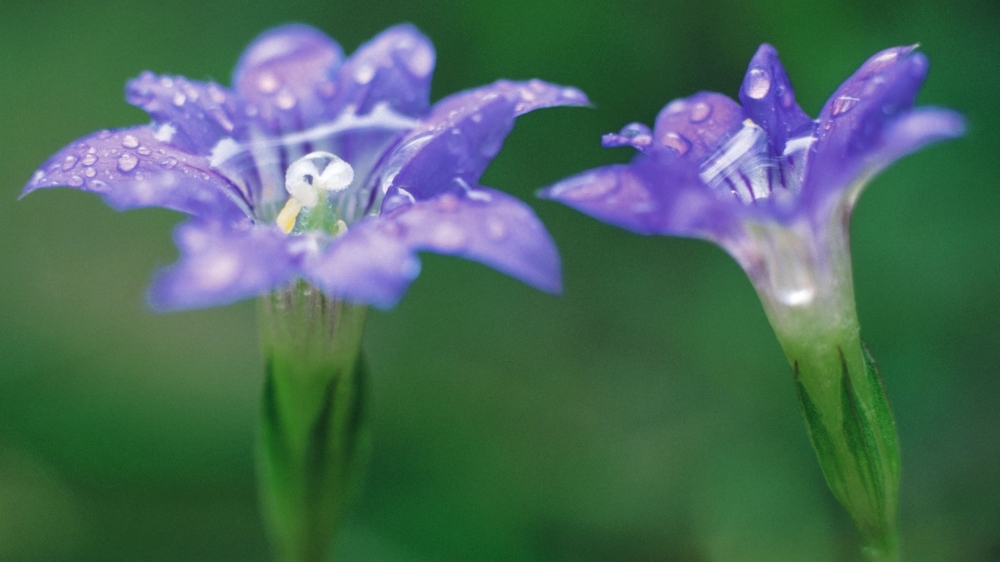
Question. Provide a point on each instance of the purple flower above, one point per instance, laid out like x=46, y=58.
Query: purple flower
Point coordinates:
x=313, y=166
x=760, y=178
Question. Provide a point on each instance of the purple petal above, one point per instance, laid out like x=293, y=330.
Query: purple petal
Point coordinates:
x=394, y=68
x=768, y=99
x=636, y=135
x=286, y=76
x=650, y=196
x=138, y=167
x=464, y=132
x=199, y=113
x=692, y=127
x=219, y=265
x=375, y=261
x=855, y=124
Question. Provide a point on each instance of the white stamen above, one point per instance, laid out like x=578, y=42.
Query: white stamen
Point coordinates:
x=315, y=172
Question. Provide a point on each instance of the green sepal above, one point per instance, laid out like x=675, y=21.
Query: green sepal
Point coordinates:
x=854, y=436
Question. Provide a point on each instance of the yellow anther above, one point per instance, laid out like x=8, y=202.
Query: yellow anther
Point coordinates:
x=288, y=214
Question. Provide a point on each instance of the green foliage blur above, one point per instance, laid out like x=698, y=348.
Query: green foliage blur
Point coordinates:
x=648, y=414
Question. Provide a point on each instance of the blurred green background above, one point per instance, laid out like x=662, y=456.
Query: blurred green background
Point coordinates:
x=646, y=415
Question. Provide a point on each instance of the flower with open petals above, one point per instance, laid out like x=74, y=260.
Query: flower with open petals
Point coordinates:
x=760, y=178
x=775, y=189
x=315, y=166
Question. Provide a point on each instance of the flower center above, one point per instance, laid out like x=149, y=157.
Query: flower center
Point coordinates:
x=310, y=181
x=745, y=167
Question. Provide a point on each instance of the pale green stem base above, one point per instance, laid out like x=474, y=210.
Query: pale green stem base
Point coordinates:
x=312, y=438
x=804, y=282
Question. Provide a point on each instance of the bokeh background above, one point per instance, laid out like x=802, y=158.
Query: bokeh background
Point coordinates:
x=648, y=414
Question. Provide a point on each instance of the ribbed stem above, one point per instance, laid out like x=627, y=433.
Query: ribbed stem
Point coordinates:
x=312, y=438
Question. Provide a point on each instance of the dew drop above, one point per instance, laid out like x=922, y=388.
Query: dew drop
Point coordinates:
x=676, y=142
x=268, y=83
x=69, y=162
x=89, y=160
x=637, y=134
x=217, y=95
x=97, y=185
x=170, y=162
x=448, y=203
x=476, y=117
x=842, y=105
x=179, y=99
x=675, y=106
x=496, y=229
x=448, y=236
x=127, y=162
x=75, y=181
x=285, y=100
x=89, y=172
x=420, y=62
x=364, y=74
x=787, y=99
x=700, y=111
x=128, y=141
x=758, y=83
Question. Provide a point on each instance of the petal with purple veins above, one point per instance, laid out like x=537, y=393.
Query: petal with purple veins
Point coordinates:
x=198, y=113
x=138, y=167
x=692, y=127
x=464, y=132
x=375, y=261
x=219, y=265
x=769, y=100
x=286, y=76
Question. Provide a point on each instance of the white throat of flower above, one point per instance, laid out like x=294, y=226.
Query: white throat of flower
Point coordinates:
x=308, y=180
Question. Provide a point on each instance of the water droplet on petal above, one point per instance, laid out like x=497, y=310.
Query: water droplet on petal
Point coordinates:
x=89, y=172
x=842, y=105
x=476, y=117
x=364, y=74
x=89, y=160
x=420, y=62
x=97, y=185
x=170, y=162
x=127, y=162
x=676, y=106
x=448, y=202
x=268, y=83
x=448, y=237
x=129, y=141
x=179, y=99
x=700, y=111
x=75, y=181
x=285, y=100
x=144, y=151
x=637, y=133
x=69, y=162
x=677, y=142
x=787, y=98
x=496, y=229
x=758, y=83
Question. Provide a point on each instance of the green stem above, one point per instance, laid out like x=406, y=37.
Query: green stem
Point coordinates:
x=804, y=282
x=312, y=433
